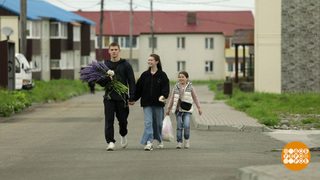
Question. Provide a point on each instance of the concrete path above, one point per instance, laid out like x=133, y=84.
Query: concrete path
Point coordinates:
x=219, y=116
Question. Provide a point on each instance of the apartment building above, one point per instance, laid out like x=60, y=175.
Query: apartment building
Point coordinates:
x=198, y=42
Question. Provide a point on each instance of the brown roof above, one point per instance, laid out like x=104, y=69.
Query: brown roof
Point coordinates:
x=117, y=23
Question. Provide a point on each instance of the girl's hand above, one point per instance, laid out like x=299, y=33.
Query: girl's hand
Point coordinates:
x=168, y=112
x=200, y=111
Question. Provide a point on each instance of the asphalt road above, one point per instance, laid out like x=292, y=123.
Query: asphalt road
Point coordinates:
x=65, y=141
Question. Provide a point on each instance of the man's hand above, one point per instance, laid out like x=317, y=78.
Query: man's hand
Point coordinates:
x=131, y=103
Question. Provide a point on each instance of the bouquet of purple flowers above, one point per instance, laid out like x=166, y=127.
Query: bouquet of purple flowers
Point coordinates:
x=97, y=71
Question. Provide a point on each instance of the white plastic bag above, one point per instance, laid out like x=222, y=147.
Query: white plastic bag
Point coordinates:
x=167, y=130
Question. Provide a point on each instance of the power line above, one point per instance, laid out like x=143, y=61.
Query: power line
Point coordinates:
x=74, y=7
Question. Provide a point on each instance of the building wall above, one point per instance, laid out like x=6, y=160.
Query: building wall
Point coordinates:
x=12, y=22
x=45, y=50
x=300, y=57
x=267, y=46
x=194, y=55
x=230, y=53
x=77, y=65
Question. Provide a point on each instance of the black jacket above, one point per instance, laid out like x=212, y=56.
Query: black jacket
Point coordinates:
x=149, y=88
x=123, y=70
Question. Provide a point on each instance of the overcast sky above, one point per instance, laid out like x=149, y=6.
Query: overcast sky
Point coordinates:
x=158, y=5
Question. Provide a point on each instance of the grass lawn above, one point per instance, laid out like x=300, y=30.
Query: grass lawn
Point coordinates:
x=301, y=110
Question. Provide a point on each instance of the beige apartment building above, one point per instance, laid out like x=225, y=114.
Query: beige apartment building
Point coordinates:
x=287, y=46
x=191, y=41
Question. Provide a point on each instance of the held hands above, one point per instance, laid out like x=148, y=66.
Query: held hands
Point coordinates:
x=131, y=103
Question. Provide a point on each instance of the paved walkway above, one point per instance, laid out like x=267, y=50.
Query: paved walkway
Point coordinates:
x=219, y=116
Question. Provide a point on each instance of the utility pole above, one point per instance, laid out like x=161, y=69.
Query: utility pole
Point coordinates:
x=131, y=20
x=100, y=32
x=151, y=24
x=23, y=27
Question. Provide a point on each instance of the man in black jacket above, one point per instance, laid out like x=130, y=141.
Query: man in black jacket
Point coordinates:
x=114, y=104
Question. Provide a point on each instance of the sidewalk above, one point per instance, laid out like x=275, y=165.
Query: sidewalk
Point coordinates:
x=216, y=115
x=219, y=116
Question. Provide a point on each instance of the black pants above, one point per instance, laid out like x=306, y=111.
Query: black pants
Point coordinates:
x=121, y=110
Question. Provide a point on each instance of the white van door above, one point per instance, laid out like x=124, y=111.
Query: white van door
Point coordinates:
x=18, y=74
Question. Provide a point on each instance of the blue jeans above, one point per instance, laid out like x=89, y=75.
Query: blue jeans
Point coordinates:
x=153, y=116
x=183, y=123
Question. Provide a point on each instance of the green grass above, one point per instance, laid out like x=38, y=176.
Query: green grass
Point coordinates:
x=54, y=90
x=268, y=107
x=12, y=102
x=219, y=95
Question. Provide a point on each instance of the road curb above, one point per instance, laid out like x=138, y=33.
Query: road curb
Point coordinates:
x=278, y=172
x=241, y=128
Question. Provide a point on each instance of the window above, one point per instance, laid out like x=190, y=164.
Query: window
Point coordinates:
x=76, y=33
x=92, y=32
x=64, y=30
x=209, y=43
x=84, y=61
x=240, y=68
x=70, y=60
x=181, y=66
x=33, y=29
x=54, y=64
x=181, y=42
x=54, y=30
x=124, y=42
x=154, y=42
x=230, y=67
x=18, y=69
x=106, y=41
x=209, y=66
x=135, y=64
x=36, y=63
x=58, y=30
x=229, y=43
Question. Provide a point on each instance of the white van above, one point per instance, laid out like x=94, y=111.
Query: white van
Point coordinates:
x=23, y=74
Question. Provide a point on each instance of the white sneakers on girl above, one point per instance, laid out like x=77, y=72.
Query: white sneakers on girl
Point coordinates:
x=179, y=145
x=186, y=143
x=149, y=146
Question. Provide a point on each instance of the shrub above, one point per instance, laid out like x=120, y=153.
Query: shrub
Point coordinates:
x=62, y=89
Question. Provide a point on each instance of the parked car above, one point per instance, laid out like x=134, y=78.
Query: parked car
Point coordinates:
x=23, y=74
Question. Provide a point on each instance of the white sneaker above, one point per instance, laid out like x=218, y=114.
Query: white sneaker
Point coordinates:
x=160, y=145
x=186, y=143
x=149, y=146
x=179, y=145
x=124, y=141
x=111, y=147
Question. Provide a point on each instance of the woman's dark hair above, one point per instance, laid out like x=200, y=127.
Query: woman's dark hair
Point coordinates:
x=157, y=58
x=184, y=73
